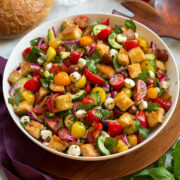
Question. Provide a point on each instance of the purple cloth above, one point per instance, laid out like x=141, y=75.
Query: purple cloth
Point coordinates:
x=20, y=158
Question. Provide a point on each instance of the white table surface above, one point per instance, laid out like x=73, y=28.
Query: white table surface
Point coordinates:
x=88, y=6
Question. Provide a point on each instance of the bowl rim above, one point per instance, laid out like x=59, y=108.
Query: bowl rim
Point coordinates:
x=82, y=158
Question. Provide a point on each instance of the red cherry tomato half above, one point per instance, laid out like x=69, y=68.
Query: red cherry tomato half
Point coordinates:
x=38, y=71
x=104, y=34
x=50, y=104
x=62, y=134
x=91, y=117
x=44, y=46
x=158, y=101
x=140, y=139
x=33, y=84
x=60, y=49
x=93, y=78
x=98, y=126
x=75, y=55
x=67, y=62
x=117, y=81
x=160, y=74
x=39, y=110
x=88, y=88
x=131, y=44
x=114, y=129
x=105, y=21
x=56, y=68
x=26, y=51
x=53, y=125
x=82, y=21
x=87, y=100
x=142, y=119
x=141, y=90
x=167, y=105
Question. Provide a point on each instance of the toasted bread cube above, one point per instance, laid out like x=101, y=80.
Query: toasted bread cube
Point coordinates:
x=123, y=58
x=89, y=150
x=123, y=101
x=57, y=144
x=25, y=68
x=134, y=70
x=155, y=118
x=148, y=50
x=56, y=88
x=68, y=23
x=24, y=107
x=102, y=49
x=126, y=120
x=63, y=102
x=106, y=59
x=161, y=65
x=42, y=93
x=106, y=71
x=13, y=77
x=34, y=128
x=72, y=33
x=136, y=55
x=166, y=96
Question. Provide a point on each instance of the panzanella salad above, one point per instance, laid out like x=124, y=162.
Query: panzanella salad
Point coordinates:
x=91, y=89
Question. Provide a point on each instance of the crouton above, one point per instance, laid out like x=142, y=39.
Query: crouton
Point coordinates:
x=67, y=23
x=106, y=71
x=13, y=77
x=25, y=68
x=57, y=144
x=71, y=33
x=89, y=150
x=102, y=49
x=63, y=102
x=24, y=107
x=34, y=128
x=106, y=59
x=155, y=118
x=136, y=55
x=161, y=65
x=42, y=93
x=56, y=88
x=166, y=96
x=123, y=58
x=148, y=50
x=126, y=120
x=123, y=101
x=134, y=70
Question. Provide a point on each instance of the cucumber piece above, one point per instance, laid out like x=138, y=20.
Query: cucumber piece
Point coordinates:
x=46, y=73
x=101, y=147
x=112, y=41
x=34, y=42
x=78, y=96
x=96, y=98
x=22, y=81
x=37, y=51
x=97, y=28
x=116, y=63
x=133, y=128
x=150, y=57
x=50, y=34
x=64, y=54
x=150, y=65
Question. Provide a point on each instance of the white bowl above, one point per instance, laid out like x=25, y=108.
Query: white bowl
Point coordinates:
x=16, y=57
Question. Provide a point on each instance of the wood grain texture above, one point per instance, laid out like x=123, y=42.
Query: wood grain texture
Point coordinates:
x=163, y=16
x=119, y=167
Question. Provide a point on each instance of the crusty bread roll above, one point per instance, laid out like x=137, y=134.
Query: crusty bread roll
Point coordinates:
x=20, y=16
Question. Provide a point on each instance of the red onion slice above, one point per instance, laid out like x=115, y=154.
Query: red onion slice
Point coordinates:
x=121, y=69
x=154, y=49
x=105, y=121
x=75, y=108
x=151, y=44
x=70, y=42
x=113, y=94
x=39, y=43
x=71, y=138
x=33, y=116
x=106, y=87
x=13, y=89
x=18, y=68
x=54, y=31
x=91, y=50
x=163, y=78
x=35, y=66
x=45, y=143
x=125, y=139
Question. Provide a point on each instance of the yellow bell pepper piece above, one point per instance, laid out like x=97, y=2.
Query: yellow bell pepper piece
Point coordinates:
x=101, y=92
x=143, y=42
x=55, y=42
x=51, y=53
x=81, y=83
x=28, y=96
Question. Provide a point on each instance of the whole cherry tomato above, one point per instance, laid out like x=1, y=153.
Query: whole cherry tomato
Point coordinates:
x=62, y=79
x=26, y=51
x=91, y=117
x=44, y=46
x=33, y=84
x=142, y=119
x=98, y=126
x=87, y=100
x=114, y=129
x=82, y=21
x=140, y=91
x=117, y=81
x=104, y=34
x=131, y=44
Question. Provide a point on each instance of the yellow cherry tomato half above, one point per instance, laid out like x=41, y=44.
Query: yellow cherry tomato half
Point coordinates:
x=81, y=83
x=54, y=43
x=86, y=40
x=143, y=43
x=127, y=91
x=28, y=96
x=101, y=92
x=62, y=79
x=51, y=53
x=132, y=140
x=152, y=93
x=78, y=129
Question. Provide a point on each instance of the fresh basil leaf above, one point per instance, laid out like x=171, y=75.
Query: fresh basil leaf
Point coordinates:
x=37, y=51
x=10, y=101
x=23, y=125
x=92, y=66
x=117, y=29
x=34, y=42
x=161, y=92
x=130, y=24
x=144, y=75
x=95, y=56
x=105, y=113
x=143, y=132
x=32, y=57
x=160, y=173
x=86, y=107
x=65, y=113
x=152, y=107
x=110, y=143
x=161, y=161
x=99, y=114
x=17, y=99
x=142, y=175
x=57, y=59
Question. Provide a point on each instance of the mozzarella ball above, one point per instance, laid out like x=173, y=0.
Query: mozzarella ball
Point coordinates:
x=49, y=66
x=46, y=134
x=80, y=113
x=121, y=38
x=113, y=52
x=143, y=105
x=81, y=63
x=74, y=150
x=75, y=76
x=24, y=119
x=165, y=84
x=136, y=35
x=151, y=74
x=40, y=61
x=129, y=83
x=109, y=103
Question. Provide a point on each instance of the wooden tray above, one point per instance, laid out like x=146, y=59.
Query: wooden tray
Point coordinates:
x=119, y=167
